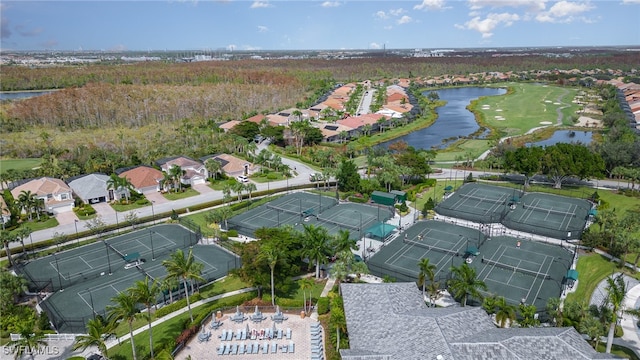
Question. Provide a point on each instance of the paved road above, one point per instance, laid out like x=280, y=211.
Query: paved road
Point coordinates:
x=301, y=177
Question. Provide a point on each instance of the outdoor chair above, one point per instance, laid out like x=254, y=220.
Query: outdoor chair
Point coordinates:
x=289, y=333
x=292, y=347
x=274, y=347
x=234, y=350
x=221, y=349
x=256, y=348
x=265, y=348
x=284, y=349
x=279, y=334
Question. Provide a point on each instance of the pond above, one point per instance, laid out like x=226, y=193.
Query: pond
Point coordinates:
x=565, y=136
x=454, y=120
x=19, y=95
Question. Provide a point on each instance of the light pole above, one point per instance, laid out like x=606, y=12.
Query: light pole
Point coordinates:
x=75, y=223
x=93, y=309
x=153, y=256
x=106, y=247
x=58, y=271
x=153, y=213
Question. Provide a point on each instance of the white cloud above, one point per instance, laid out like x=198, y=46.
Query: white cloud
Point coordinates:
x=531, y=5
x=397, y=12
x=430, y=5
x=563, y=11
x=262, y=29
x=405, y=20
x=381, y=15
x=260, y=4
x=330, y=4
x=232, y=47
x=487, y=25
x=375, y=46
x=626, y=2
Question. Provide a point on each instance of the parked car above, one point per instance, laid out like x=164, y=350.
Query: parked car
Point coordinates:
x=243, y=178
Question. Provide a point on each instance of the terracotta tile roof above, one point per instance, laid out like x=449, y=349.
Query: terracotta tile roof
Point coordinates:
x=276, y=120
x=3, y=207
x=396, y=97
x=143, y=176
x=182, y=161
x=42, y=187
x=256, y=118
x=233, y=164
x=330, y=130
x=355, y=122
x=401, y=108
x=229, y=125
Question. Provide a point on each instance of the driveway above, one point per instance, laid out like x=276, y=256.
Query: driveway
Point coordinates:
x=156, y=197
x=104, y=210
x=68, y=217
x=202, y=188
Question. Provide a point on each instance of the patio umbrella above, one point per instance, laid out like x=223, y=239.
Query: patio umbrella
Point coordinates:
x=256, y=312
x=247, y=328
x=274, y=327
x=278, y=309
x=238, y=310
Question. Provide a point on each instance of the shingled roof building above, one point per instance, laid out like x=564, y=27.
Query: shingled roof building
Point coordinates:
x=390, y=321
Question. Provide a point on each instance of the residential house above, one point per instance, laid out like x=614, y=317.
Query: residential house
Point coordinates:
x=390, y=321
x=194, y=172
x=93, y=188
x=57, y=196
x=231, y=165
x=143, y=179
x=336, y=132
x=229, y=125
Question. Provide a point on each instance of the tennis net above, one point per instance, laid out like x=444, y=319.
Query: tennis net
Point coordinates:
x=550, y=211
x=494, y=201
x=116, y=251
x=348, y=226
x=516, y=269
x=431, y=247
x=292, y=212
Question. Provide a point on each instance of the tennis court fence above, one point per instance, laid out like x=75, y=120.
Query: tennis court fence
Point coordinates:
x=544, y=210
x=473, y=197
x=536, y=274
x=193, y=227
x=431, y=247
x=342, y=225
x=292, y=212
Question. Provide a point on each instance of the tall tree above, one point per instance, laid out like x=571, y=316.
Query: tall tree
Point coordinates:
x=426, y=271
x=7, y=238
x=342, y=242
x=213, y=167
x=562, y=160
x=250, y=188
x=124, y=309
x=524, y=160
x=528, y=316
x=316, y=245
x=505, y=312
x=465, y=283
x=306, y=284
x=616, y=292
x=98, y=330
x=272, y=255
x=347, y=176
x=175, y=173
x=182, y=267
x=28, y=342
x=146, y=293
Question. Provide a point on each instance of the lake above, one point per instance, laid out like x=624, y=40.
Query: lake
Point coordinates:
x=18, y=95
x=454, y=120
x=566, y=136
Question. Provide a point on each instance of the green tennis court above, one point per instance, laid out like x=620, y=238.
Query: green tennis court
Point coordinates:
x=479, y=203
x=444, y=244
x=550, y=215
x=83, y=280
x=523, y=271
x=306, y=208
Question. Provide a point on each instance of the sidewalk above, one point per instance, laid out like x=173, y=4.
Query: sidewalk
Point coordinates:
x=631, y=336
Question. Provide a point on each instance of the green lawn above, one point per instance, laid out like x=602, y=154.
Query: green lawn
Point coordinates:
x=181, y=194
x=623, y=352
x=262, y=178
x=128, y=207
x=18, y=164
x=36, y=225
x=592, y=269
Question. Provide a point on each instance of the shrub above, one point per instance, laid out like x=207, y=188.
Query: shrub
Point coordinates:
x=323, y=305
x=272, y=176
x=232, y=233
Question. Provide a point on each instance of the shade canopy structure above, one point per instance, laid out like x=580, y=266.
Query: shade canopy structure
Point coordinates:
x=572, y=274
x=448, y=188
x=383, y=198
x=472, y=250
x=400, y=195
x=381, y=230
x=131, y=257
x=593, y=212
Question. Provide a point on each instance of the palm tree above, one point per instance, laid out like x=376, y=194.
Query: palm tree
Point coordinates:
x=342, y=242
x=306, y=284
x=6, y=237
x=146, y=294
x=528, y=314
x=27, y=201
x=504, y=312
x=213, y=167
x=119, y=185
x=168, y=284
x=238, y=188
x=124, y=309
x=427, y=271
x=593, y=328
x=554, y=309
x=21, y=234
x=29, y=341
x=489, y=304
x=182, y=268
x=250, y=187
x=339, y=319
x=175, y=172
x=465, y=283
x=272, y=255
x=616, y=292
x=97, y=331
x=316, y=245
x=166, y=183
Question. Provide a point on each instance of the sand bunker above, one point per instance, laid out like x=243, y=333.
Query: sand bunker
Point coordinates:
x=548, y=101
x=545, y=123
x=556, y=103
x=498, y=110
x=499, y=118
x=585, y=121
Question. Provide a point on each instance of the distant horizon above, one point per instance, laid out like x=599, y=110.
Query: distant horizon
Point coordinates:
x=313, y=25
x=623, y=47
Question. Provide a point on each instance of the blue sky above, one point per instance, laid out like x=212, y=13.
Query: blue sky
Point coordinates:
x=309, y=24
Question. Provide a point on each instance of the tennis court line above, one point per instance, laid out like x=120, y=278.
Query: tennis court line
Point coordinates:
x=546, y=272
x=205, y=262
